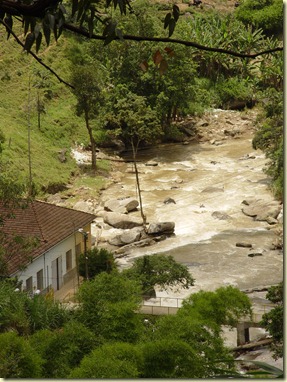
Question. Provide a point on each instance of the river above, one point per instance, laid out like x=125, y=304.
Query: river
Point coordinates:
x=208, y=183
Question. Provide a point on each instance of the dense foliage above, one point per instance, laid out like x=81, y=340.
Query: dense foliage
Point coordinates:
x=265, y=14
x=105, y=336
x=158, y=270
x=273, y=321
x=97, y=260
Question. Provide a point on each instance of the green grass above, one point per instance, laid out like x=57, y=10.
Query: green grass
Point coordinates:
x=59, y=129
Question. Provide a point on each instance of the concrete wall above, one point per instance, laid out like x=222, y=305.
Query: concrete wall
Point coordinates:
x=53, y=264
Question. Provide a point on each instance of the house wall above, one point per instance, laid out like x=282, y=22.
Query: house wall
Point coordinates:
x=55, y=267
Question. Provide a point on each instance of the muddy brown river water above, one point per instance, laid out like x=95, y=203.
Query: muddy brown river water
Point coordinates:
x=208, y=184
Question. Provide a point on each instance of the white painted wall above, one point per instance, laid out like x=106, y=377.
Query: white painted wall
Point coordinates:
x=48, y=262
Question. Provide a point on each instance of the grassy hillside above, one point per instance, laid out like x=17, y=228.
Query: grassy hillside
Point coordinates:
x=23, y=81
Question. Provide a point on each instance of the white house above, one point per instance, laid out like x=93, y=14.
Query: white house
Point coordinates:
x=41, y=243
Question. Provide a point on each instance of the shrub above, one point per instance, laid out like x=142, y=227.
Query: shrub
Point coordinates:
x=98, y=260
x=265, y=14
x=234, y=93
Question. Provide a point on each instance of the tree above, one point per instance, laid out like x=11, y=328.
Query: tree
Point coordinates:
x=132, y=119
x=117, y=360
x=18, y=359
x=99, y=260
x=108, y=306
x=273, y=321
x=224, y=306
x=171, y=358
x=269, y=135
x=202, y=336
x=87, y=88
x=62, y=350
x=158, y=270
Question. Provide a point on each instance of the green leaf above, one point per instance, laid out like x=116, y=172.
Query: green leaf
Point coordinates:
x=176, y=12
x=26, y=25
x=91, y=26
x=171, y=27
x=109, y=39
x=74, y=7
x=167, y=20
x=38, y=41
x=2, y=14
x=29, y=41
x=37, y=30
x=62, y=8
x=51, y=19
x=9, y=22
x=47, y=33
x=81, y=8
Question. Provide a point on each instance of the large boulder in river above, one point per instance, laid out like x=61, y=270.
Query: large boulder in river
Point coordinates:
x=122, y=206
x=121, y=221
x=261, y=210
x=165, y=227
x=128, y=237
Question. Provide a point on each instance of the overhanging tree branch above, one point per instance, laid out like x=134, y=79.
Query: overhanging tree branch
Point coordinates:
x=85, y=33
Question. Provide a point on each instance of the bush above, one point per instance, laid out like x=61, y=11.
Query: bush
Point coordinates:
x=99, y=260
x=265, y=14
x=235, y=93
x=18, y=359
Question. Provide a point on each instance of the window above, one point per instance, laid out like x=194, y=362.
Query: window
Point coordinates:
x=69, y=264
x=40, y=280
x=29, y=284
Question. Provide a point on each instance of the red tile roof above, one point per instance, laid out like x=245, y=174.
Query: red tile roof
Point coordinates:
x=48, y=223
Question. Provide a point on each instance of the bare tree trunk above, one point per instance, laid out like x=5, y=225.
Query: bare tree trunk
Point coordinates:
x=92, y=141
x=138, y=185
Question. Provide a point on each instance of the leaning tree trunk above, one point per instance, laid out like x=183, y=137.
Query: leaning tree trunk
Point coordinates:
x=92, y=141
x=138, y=185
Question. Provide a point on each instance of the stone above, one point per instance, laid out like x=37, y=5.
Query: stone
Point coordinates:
x=54, y=199
x=122, y=206
x=83, y=206
x=121, y=221
x=271, y=220
x=151, y=163
x=255, y=254
x=115, y=206
x=164, y=227
x=131, y=236
x=243, y=245
x=169, y=200
x=261, y=210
